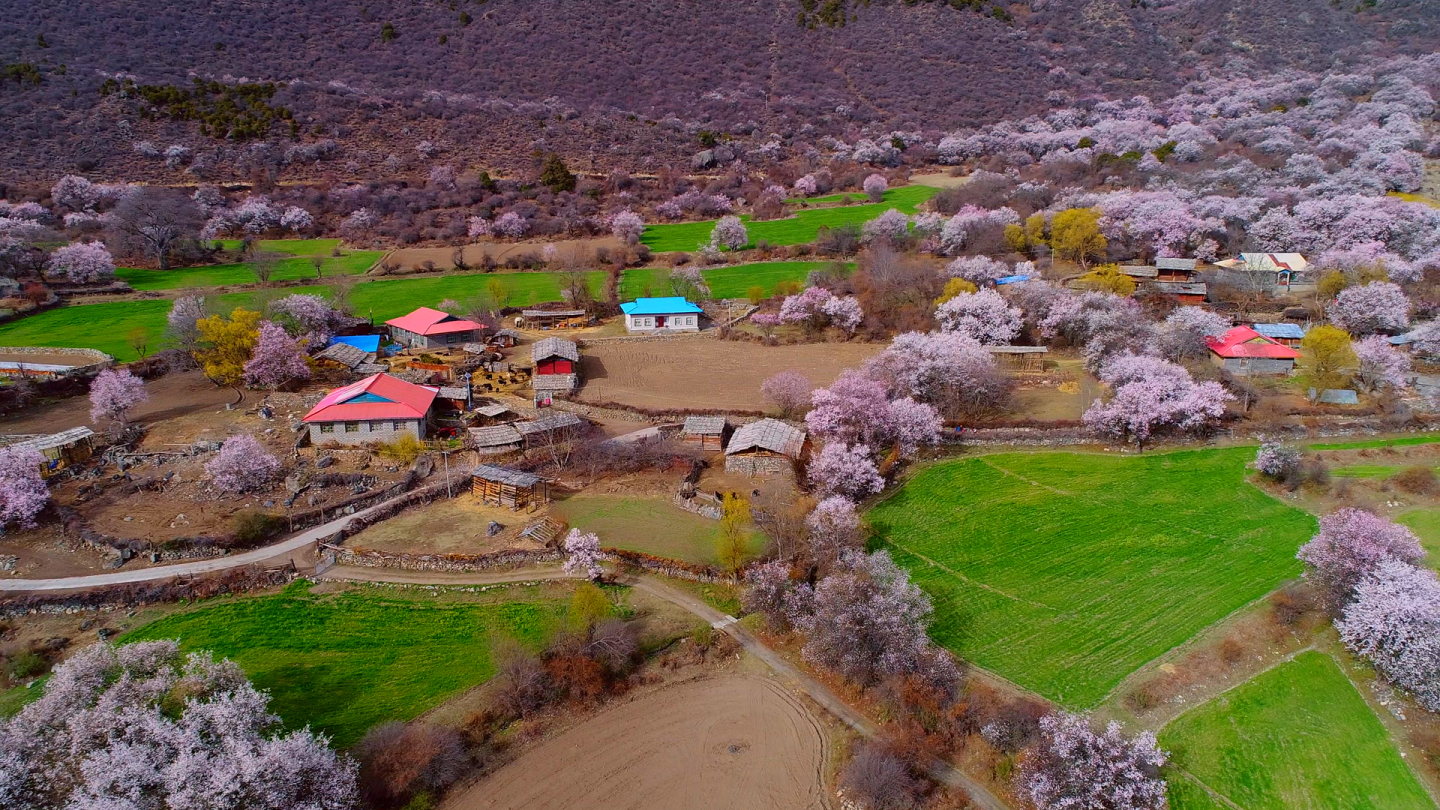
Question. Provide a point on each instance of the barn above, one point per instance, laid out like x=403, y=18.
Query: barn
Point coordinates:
x=705, y=432
x=510, y=488
x=766, y=447
x=557, y=368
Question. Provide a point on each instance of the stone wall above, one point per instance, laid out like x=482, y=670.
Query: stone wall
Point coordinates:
x=367, y=432
x=442, y=563
x=758, y=466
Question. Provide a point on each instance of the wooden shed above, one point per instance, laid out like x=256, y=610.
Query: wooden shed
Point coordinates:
x=1026, y=358
x=59, y=450
x=766, y=447
x=557, y=428
x=510, y=488
x=707, y=432
x=553, y=318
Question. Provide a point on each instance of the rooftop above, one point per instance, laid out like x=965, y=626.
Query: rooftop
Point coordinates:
x=1176, y=264
x=345, y=354
x=768, y=434
x=1280, y=330
x=556, y=421
x=1242, y=341
x=672, y=305
x=554, y=382
x=50, y=441
x=495, y=436
x=704, y=425
x=365, y=343
x=501, y=475
x=377, y=397
x=552, y=313
x=427, y=321
x=554, y=347
x=1140, y=270
x=491, y=409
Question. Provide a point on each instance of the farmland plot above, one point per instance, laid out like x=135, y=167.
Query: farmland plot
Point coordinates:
x=1065, y=572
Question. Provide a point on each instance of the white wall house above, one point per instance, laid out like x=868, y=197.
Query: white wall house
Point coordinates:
x=648, y=315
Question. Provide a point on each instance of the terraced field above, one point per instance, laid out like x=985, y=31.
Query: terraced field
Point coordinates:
x=732, y=281
x=1298, y=735
x=1065, y=572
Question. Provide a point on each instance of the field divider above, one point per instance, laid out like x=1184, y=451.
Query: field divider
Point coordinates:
x=988, y=463
x=1214, y=794
x=982, y=586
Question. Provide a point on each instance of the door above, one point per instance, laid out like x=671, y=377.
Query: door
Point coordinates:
x=659, y=321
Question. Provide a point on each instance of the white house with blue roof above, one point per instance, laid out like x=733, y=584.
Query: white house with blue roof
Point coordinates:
x=649, y=315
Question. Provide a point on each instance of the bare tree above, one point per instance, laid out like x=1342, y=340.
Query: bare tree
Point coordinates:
x=156, y=220
x=318, y=262
x=263, y=264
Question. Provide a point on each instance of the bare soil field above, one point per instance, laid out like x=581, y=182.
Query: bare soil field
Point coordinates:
x=731, y=742
x=412, y=258
x=704, y=373
x=170, y=396
x=455, y=526
x=939, y=180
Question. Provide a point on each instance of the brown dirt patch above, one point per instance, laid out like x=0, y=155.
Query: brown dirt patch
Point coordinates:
x=455, y=526
x=939, y=180
x=731, y=742
x=411, y=258
x=704, y=373
x=170, y=396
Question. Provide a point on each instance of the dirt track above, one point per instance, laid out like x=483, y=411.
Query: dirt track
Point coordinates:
x=733, y=742
x=705, y=373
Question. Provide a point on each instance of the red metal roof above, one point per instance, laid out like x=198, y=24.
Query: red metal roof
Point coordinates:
x=427, y=321
x=377, y=397
x=1242, y=341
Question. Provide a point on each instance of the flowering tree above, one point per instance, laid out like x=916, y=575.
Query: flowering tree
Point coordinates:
x=1394, y=622
x=977, y=270
x=816, y=307
x=1277, y=460
x=1073, y=766
x=1350, y=544
x=948, y=370
x=806, y=186
x=180, y=322
x=1182, y=336
x=729, y=233
x=1375, y=307
x=833, y=528
x=113, y=393
x=875, y=186
x=358, y=223
x=512, y=225
x=888, y=228
x=23, y=493
x=1150, y=394
x=296, y=219
x=866, y=622
x=845, y=470
x=1382, y=366
x=845, y=313
x=855, y=409
x=787, y=390
x=913, y=425
x=81, y=263
x=582, y=551
x=983, y=315
x=277, y=359
x=626, y=226
x=143, y=726
x=241, y=465
x=76, y=193
x=311, y=317
x=477, y=227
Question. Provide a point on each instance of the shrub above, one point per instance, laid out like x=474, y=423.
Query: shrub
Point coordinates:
x=25, y=666
x=1416, y=480
x=252, y=526
x=400, y=761
x=403, y=451
x=877, y=779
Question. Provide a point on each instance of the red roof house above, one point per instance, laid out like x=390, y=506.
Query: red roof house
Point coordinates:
x=1242, y=350
x=427, y=328
x=378, y=408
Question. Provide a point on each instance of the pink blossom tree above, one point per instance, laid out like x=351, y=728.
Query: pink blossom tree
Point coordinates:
x=1375, y=307
x=913, y=425
x=1149, y=395
x=833, y=527
x=476, y=227
x=76, y=193
x=81, y=263
x=845, y=470
x=889, y=228
x=626, y=226
x=113, y=393
x=978, y=270
x=875, y=187
x=360, y=222
x=983, y=315
x=845, y=313
x=806, y=186
x=729, y=233
x=769, y=591
x=1182, y=336
x=296, y=219
x=144, y=720
x=511, y=225
x=948, y=370
x=1425, y=339
x=582, y=550
x=311, y=317
x=1382, y=366
x=277, y=359
x=1277, y=460
x=23, y=493
x=1073, y=766
x=817, y=307
x=1394, y=623
x=854, y=409
x=789, y=391
x=180, y=322
x=242, y=465
x=1350, y=544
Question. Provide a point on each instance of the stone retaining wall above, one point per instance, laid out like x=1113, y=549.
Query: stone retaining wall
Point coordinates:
x=442, y=563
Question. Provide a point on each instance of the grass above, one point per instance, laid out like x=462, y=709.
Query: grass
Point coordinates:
x=910, y=196
x=1065, y=572
x=1298, y=735
x=294, y=247
x=12, y=700
x=217, y=275
x=648, y=525
x=1366, y=471
x=391, y=298
x=1367, y=444
x=733, y=281
x=796, y=230
x=343, y=662
x=1425, y=522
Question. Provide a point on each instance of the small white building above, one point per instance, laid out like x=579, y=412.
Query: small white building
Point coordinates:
x=650, y=315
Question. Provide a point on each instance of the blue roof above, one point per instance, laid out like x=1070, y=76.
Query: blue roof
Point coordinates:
x=1280, y=330
x=365, y=343
x=659, y=306
x=1011, y=280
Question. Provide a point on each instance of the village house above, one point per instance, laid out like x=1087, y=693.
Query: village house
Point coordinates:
x=58, y=450
x=705, y=432
x=427, y=328
x=1175, y=269
x=1189, y=293
x=379, y=408
x=1276, y=272
x=1288, y=334
x=766, y=447
x=673, y=314
x=1244, y=351
x=557, y=368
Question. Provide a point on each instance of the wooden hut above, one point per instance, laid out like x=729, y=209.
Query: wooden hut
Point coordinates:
x=553, y=318
x=58, y=450
x=557, y=428
x=1025, y=358
x=766, y=447
x=496, y=440
x=510, y=488
x=706, y=432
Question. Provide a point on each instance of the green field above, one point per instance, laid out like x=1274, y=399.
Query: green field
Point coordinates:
x=1065, y=572
x=1298, y=735
x=732, y=281
x=648, y=525
x=217, y=275
x=1406, y=441
x=391, y=298
x=1366, y=470
x=295, y=247
x=343, y=662
x=796, y=230
x=900, y=195
x=1425, y=522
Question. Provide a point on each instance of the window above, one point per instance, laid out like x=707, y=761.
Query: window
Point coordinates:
x=352, y=427
x=376, y=426
x=327, y=428
x=397, y=425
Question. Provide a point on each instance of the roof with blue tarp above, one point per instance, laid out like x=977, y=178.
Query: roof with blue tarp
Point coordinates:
x=365, y=343
x=1011, y=280
x=672, y=305
x=1280, y=330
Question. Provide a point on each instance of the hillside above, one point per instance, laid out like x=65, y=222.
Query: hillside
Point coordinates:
x=626, y=84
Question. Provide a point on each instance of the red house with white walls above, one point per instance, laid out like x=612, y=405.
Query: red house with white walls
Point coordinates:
x=557, y=368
